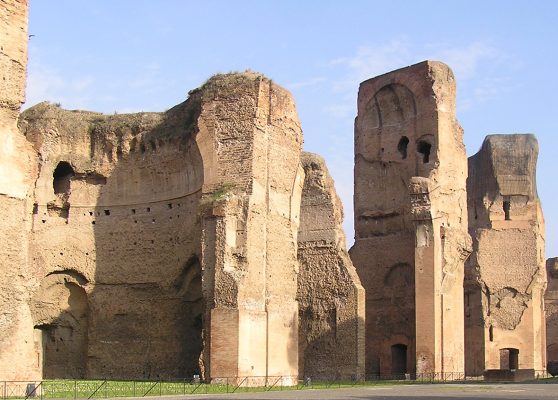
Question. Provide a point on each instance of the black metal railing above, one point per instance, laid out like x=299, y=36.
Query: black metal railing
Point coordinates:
x=104, y=388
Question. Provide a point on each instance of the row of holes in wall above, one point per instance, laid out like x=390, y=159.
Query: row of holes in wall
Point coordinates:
x=106, y=212
x=173, y=240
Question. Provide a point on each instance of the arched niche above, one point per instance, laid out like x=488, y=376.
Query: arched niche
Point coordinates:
x=391, y=105
x=60, y=312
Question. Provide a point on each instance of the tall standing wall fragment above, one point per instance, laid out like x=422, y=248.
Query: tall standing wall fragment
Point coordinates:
x=411, y=235
x=330, y=296
x=17, y=169
x=505, y=275
x=249, y=243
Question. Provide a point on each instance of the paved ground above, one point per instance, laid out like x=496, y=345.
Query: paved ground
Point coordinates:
x=402, y=392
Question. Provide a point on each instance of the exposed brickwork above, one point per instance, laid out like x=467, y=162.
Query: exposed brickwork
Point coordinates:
x=411, y=235
x=505, y=275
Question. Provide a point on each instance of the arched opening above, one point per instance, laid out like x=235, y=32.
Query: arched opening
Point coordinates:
x=398, y=360
x=509, y=359
x=61, y=325
x=402, y=146
x=62, y=176
x=424, y=149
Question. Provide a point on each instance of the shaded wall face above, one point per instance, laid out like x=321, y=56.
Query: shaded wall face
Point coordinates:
x=330, y=296
x=551, y=310
x=505, y=274
x=61, y=315
x=127, y=225
x=148, y=299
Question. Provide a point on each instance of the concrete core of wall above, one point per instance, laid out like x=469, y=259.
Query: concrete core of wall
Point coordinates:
x=505, y=275
x=330, y=296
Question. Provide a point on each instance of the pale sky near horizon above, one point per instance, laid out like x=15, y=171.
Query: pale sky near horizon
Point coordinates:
x=135, y=55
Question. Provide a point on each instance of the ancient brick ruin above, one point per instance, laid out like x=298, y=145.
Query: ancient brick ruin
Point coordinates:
x=163, y=245
x=330, y=296
x=202, y=240
x=412, y=211
x=506, y=276
x=18, y=167
x=410, y=220
x=551, y=309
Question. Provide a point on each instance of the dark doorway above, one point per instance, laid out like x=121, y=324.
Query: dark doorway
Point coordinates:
x=506, y=205
x=189, y=319
x=398, y=360
x=509, y=359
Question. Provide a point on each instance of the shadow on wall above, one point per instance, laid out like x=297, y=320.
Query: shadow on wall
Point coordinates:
x=61, y=324
x=320, y=342
x=125, y=300
x=147, y=305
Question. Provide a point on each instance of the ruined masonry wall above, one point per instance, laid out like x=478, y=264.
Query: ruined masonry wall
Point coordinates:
x=410, y=259
x=253, y=234
x=17, y=170
x=166, y=243
x=506, y=277
x=154, y=245
x=125, y=234
x=330, y=296
x=551, y=310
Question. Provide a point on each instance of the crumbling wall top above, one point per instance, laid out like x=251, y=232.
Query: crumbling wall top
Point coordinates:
x=506, y=166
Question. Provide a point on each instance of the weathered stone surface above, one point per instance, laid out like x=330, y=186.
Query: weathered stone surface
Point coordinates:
x=115, y=207
x=330, y=296
x=551, y=314
x=17, y=170
x=249, y=242
x=505, y=276
x=157, y=245
x=160, y=245
x=163, y=244
x=410, y=220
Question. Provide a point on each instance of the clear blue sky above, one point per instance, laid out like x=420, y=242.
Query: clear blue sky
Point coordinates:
x=134, y=55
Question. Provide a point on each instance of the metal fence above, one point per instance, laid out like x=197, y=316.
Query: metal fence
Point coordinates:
x=104, y=388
